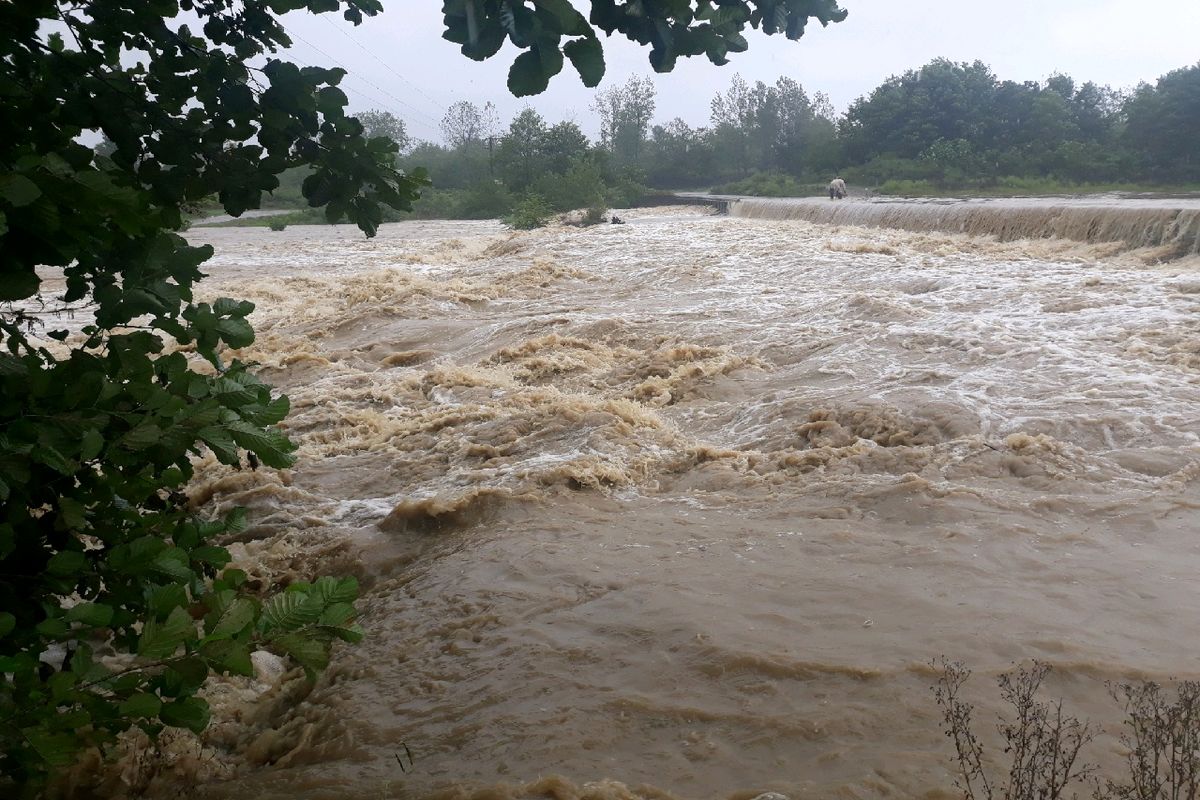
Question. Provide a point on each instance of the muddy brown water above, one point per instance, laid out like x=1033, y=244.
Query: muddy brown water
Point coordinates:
x=686, y=506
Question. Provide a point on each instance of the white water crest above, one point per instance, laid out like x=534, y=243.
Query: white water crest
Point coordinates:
x=1173, y=225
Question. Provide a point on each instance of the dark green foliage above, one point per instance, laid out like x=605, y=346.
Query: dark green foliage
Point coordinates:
x=487, y=199
x=958, y=125
x=386, y=124
x=766, y=184
x=581, y=186
x=548, y=30
x=98, y=549
x=625, y=113
x=532, y=212
x=1163, y=121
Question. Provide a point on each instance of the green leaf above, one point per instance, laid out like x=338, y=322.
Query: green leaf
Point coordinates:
x=97, y=615
x=91, y=445
x=72, y=512
x=144, y=435
x=275, y=411
x=348, y=633
x=17, y=283
x=569, y=21
x=212, y=555
x=271, y=446
x=185, y=676
x=228, y=307
x=337, y=614
x=221, y=443
x=162, y=639
x=174, y=562
x=141, y=705
x=240, y=614
x=290, y=610
x=528, y=75
x=190, y=712
x=587, y=56
x=60, y=685
x=53, y=628
x=53, y=459
x=68, y=562
x=331, y=101
x=309, y=652
x=164, y=599
x=7, y=623
x=56, y=749
x=235, y=332
x=18, y=190
x=336, y=590
x=229, y=655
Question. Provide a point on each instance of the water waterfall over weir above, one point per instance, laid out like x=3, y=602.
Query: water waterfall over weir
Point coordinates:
x=1173, y=226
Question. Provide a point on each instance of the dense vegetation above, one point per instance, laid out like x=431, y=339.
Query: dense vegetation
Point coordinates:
x=946, y=126
x=115, y=601
x=959, y=125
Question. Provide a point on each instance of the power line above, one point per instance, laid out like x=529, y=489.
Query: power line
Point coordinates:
x=431, y=123
x=340, y=29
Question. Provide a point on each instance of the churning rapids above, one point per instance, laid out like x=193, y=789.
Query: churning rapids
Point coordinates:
x=687, y=506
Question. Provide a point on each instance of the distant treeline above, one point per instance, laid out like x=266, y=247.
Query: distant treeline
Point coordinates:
x=944, y=126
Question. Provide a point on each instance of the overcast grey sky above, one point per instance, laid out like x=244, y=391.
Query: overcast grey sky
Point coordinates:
x=399, y=61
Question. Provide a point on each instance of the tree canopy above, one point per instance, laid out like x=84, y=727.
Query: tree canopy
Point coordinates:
x=546, y=31
x=98, y=430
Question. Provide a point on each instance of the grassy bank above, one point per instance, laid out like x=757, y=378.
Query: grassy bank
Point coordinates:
x=770, y=184
x=1024, y=187
x=766, y=184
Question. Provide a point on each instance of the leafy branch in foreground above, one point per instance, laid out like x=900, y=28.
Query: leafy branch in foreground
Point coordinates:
x=116, y=603
x=548, y=30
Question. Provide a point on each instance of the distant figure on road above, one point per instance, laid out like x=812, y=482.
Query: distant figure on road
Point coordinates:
x=837, y=188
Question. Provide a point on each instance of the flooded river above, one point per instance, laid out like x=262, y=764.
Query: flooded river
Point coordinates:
x=687, y=506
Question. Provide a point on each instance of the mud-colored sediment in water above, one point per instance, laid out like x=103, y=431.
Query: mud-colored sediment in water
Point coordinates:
x=686, y=506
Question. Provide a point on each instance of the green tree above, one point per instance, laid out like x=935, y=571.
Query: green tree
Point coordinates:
x=462, y=125
x=519, y=156
x=680, y=156
x=905, y=115
x=376, y=122
x=97, y=547
x=1162, y=124
x=625, y=112
x=562, y=145
x=776, y=127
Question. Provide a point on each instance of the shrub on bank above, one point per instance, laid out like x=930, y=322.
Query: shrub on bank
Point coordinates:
x=532, y=212
x=770, y=184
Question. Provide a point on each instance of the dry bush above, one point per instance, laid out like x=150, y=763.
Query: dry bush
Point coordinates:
x=1041, y=743
x=1163, y=743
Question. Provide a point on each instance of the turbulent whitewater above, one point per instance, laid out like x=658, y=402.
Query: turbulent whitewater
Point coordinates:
x=686, y=506
x=1170, y=226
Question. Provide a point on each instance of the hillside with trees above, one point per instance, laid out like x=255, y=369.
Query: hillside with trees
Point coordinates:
x=946, y=127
